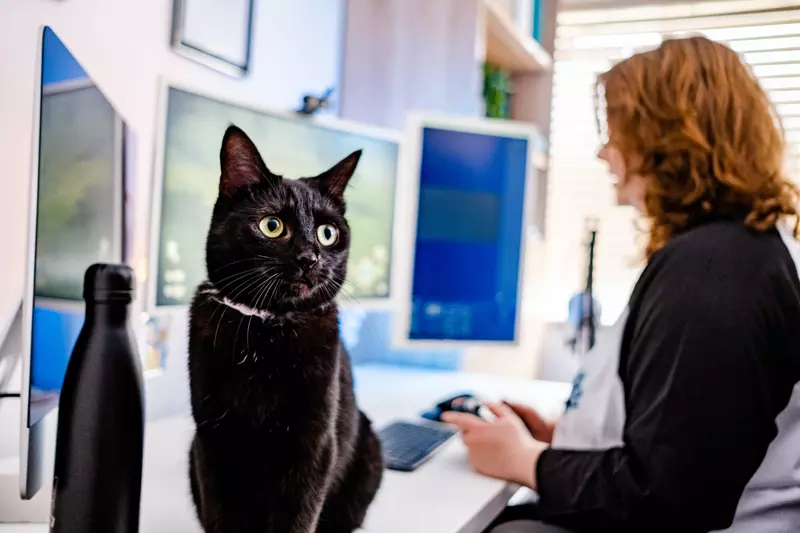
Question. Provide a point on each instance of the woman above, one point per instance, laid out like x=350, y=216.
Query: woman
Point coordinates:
x=688, y=419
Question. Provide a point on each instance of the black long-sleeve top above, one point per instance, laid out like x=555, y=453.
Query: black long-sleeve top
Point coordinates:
x=709, y=356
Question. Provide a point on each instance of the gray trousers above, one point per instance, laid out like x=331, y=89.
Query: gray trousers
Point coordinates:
x=527, y=526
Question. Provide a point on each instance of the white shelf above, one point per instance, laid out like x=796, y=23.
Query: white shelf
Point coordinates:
x=508, y=47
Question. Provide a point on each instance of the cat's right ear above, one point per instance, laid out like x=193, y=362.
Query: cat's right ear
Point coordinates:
x=240, y=162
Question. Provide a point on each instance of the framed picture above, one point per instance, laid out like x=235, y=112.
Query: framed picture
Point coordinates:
x=216, y=33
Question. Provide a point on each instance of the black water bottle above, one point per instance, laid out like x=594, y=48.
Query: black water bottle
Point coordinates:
x=98, y=468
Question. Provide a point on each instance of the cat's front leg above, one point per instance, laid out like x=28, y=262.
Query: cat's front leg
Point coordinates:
x=300, y=510
x=347, y=502
x=227, y=497
x=305, y=491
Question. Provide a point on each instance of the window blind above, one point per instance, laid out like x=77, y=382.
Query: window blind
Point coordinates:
x=767, y=35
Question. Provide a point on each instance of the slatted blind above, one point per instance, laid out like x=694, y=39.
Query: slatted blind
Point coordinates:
x=767, y=35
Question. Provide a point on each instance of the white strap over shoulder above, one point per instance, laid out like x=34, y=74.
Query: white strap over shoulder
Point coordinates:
x=787, y=234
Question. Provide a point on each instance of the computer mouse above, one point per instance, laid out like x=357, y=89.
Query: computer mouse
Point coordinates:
x=462, y=403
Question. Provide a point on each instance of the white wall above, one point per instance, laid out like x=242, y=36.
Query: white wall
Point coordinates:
x=124, y=46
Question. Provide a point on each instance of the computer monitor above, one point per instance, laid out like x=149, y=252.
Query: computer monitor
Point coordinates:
x=187, y=184
x=470, y=183
x=76, y=219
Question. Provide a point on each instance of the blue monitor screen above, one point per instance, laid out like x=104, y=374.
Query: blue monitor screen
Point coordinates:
x=469, y=236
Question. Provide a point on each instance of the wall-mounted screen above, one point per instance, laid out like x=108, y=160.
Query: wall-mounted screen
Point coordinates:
x=291, y=146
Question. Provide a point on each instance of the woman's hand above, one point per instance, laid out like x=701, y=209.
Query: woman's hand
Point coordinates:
x=541, y=428
x=503, y=448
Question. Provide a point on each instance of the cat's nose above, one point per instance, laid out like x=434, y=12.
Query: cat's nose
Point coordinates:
x=307, y=260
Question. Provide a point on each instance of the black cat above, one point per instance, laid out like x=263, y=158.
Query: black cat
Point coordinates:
x=280, y=446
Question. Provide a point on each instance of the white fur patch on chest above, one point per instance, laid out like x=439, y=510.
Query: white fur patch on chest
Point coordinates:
x=241, y=308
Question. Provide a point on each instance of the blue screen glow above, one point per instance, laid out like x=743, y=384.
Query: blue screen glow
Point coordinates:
x=469, y=234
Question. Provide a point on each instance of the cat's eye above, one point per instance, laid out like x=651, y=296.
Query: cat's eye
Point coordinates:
x=272, y=227
x=327, y=235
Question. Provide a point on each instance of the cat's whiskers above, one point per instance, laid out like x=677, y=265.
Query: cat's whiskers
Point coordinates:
x=220, y=286
x=259, y=297
x=236, y=338
x=273, y=291
x=348, y=294
x=242, y=289
x=238, y=307
x=329, y=290
x=211, y=295
x=250, y=321
x=233, y=278
x=343, y=290
x=244, y=285
x=267, y=284
x=348, y=297
x=255, y=270
x=214, y=344
x=214, y=292
x=263, y=281
x=223, y=267
x=324, y=289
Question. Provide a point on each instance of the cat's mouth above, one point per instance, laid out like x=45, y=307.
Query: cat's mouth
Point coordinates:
x=301, y=288
x=301, y=284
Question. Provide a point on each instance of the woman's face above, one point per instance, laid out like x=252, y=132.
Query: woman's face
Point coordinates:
x=630, y=188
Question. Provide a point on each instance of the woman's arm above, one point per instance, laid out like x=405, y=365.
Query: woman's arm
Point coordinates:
x=703, y=384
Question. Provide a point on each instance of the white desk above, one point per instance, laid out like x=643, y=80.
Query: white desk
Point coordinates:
x=442, y=496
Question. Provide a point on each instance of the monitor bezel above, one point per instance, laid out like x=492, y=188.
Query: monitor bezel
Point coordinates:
x=29, y=480
x=329, y=122
x=405, y=234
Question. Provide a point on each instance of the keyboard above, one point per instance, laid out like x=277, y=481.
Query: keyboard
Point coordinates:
x=407, y=445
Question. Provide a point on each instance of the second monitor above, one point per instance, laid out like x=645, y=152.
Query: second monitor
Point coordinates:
x=470, y=184
x=292, y=146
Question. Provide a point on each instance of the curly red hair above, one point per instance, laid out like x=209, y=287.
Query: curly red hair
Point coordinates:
x=692, y=119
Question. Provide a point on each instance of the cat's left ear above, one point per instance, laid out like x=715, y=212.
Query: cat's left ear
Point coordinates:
x=333, y=182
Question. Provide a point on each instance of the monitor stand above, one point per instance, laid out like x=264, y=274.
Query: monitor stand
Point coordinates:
x=10, y=348
x=13, y=509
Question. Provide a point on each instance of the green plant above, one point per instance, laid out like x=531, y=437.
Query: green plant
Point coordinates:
x=496, y=91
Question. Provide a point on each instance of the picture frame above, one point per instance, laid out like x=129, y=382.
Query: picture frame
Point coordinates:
x=215, y=33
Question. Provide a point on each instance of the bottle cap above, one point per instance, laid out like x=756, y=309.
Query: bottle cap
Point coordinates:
x=108, y=282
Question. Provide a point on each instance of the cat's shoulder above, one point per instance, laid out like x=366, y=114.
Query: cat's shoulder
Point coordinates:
x=204, y=291
x=203, y=296
x=205, y=288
